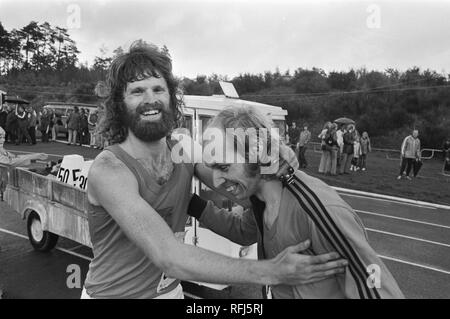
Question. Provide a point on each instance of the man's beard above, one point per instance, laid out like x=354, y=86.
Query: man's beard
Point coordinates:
x=150, y=131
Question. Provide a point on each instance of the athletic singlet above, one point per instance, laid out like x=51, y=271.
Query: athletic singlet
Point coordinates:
x=119, y=268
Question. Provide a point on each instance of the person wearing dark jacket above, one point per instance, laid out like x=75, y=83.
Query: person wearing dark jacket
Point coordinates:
x=73, y=126
x=44, y=125
x=32, y=122
x=347, y=152
x=294, y=134
x=3, y=116
x=12, y=125
x=22, y=119
x=446, y=149
x=84, y=131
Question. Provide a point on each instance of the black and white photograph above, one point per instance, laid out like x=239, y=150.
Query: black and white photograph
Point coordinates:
x=239, y=151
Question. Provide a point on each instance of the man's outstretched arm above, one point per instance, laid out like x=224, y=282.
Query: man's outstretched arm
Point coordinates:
x=145, y=227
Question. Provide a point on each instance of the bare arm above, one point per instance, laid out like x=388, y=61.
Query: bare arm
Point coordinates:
x=23, y=160
x=144, y=226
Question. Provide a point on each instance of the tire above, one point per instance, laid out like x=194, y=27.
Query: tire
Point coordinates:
x=43, y=241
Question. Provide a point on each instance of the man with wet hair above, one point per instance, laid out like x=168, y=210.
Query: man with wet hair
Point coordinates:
x=285, y=212
x=138, y=198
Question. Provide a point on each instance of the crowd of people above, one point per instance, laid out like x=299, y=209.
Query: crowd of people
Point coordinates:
x=22, y=123
x=19, y=123
x=82, y=128
x=343, y=148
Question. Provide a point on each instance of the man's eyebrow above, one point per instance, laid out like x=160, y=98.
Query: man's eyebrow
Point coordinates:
x=136, y=88
x=210, y=165
x=218, y=165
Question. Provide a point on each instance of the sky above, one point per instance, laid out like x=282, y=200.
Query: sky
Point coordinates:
x=233, y=37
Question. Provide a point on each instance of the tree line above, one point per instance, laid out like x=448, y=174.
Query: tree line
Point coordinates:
x=40, y=62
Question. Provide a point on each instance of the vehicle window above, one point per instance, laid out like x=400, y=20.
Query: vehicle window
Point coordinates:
x=282, y=128
x=187, y=123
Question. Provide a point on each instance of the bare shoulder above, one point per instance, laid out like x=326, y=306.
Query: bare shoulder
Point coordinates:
x=104, y=174
x=106, y=161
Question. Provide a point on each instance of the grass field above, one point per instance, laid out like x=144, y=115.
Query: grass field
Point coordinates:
x=381, y=177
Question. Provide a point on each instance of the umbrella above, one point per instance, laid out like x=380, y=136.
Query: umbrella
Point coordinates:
x=16, y=100
x=344, y=120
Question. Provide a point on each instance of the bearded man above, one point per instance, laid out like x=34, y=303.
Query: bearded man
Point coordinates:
x=139, y=197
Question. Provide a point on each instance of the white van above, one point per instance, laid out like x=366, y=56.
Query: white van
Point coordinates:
x=53, y=208
x=198, y=111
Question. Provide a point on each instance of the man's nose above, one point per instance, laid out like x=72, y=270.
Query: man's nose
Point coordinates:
x=218, y=178
x=149, y=97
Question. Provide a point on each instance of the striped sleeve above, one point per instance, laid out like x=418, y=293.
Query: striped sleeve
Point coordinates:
x=340, y=230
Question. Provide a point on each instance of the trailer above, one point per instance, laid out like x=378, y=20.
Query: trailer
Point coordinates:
x=53, y=208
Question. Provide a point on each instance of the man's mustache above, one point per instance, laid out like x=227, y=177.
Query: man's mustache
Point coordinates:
x=145, y=107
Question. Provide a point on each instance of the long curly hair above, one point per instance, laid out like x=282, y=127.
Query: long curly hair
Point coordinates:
x=142, y=61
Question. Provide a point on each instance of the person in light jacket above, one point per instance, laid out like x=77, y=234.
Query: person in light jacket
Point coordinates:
x=410, y=152
x=365, y=149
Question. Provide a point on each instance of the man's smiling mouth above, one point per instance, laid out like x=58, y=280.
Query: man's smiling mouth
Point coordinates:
x=152, y=112
x=151, y=115
x=234, y=188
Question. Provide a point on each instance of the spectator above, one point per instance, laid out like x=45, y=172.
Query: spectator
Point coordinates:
x=92, y=126
x=332, y=147
x=325, y=152
x=22, y=118
x=73, y=125
x=446, y=149
x=347, y=151
x=356, y=153
x=44, y=125
x=52, y=125
x=303, y=141
x=83, y=130
x=11, y=159
x=365, y=149
x=32, y=122
x=410, y=152
x=340, y=140
x=294, y=134
x=3, y=116
x=12, y=124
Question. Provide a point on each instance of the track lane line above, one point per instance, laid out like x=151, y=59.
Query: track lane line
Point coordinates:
x=67, y=251
x=402, y=218
x=407, y=237
x=414, y=264
x=57, y=248
x=387, y=200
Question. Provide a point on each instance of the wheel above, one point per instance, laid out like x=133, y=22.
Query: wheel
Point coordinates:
x=40, y=240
